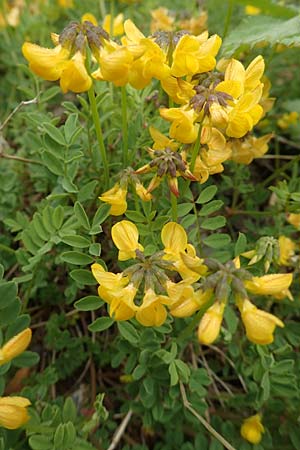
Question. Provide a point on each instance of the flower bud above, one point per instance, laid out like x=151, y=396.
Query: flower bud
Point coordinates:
x=210, y=324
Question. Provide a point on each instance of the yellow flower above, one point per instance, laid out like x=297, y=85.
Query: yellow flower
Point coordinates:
x=179, y=90
x=288, y=119
x=118, y=27
x=195, y=54
x=149, y=58
x=174, y=239
x=161, y=21
x=142, y=192
x=115, y=64
x=210, y=324
x=252, y=10
x=246, y=149
x=74, y=76
x=15, y=346
x=125, y=236
x=88, y=17
x=252, y=429
x=115, y=290
x=294, y=219
x=183, y=128
x=161, y=141
x=182, y=254
x=152, y=312
x=273, y=284
x=259, y=324
x=185, y=301
x=13, y=412
x=195, y=25
x=116, y=197
x=66, y=3
x=45, y=62
x=286, y=250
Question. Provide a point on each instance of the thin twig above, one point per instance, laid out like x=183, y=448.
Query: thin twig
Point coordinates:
x=287, y=141
x=201, y=419
x=19, y=106
x=42, y=324
x=120, y=431
x=210, y=374
x=216, y=349
x=18, y=158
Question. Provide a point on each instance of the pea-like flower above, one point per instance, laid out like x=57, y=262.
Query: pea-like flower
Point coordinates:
x=13, y=412
x=116, y=197
x=252, y=429
x=15, y=346
x=210, y=324
x=260, y=325
x=125, y=236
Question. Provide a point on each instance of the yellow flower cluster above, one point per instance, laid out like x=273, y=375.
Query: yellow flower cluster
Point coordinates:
x=252, y=429
x=147, y=280
x=146, y=290
x=13, y=410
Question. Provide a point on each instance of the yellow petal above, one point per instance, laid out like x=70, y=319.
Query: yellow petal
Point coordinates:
x=15, y=346
x=45, y=62
x=125, y=236
x=174, y=238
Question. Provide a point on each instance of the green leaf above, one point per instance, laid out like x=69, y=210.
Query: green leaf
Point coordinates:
x=135, y=216
x=217, y=240
x=54, y=133
x=88, y=303
x=207, y=194
x=265, y=384
x=76, y=241
x=70, y=127
x=240, y=245
x=58, y=217
x=81, y=259
x=40, y=442
x=83, y=277
x=52, y=163
x=139, y=372
x=69, y=410
x=184, y=208
x=101, y=214
x=26, y=359
x=10, y=313
x=174, y=378
x=95, y=249
x=8, y=293
x=128, y=332
x=257, y=29
x=183, y=370
x=101, y=324
x=210, y=207
x=213, y=223
x=81, y=215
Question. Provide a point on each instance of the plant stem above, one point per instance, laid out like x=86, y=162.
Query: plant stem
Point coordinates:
x=174, y=207
x=18, y=158
x=228, y=18
x=112, y=16
x=195, y=150
x=124, y=126
x=99, y=134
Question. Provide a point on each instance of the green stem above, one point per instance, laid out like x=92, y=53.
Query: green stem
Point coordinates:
x=99, y=134
x=112, y=16
x=124, y=126
x=174, y=207
x=195, y=150
x=228, y=18
x=276, y=173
